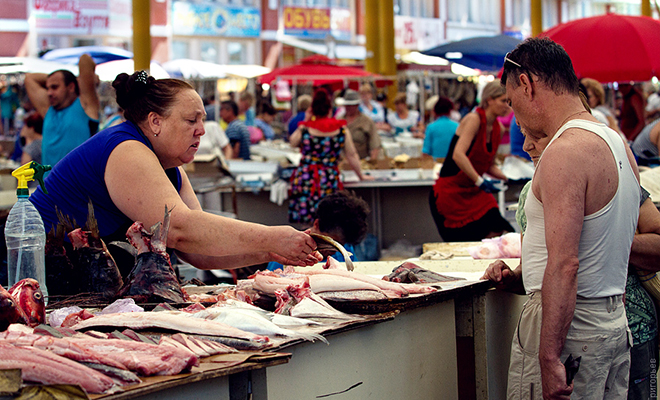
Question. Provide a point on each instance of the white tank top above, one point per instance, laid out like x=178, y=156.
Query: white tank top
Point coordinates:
x=606, y=235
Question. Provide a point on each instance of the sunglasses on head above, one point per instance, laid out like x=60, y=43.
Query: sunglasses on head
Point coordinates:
x=506, y=58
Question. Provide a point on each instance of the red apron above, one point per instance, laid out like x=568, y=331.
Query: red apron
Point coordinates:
x=457, y=199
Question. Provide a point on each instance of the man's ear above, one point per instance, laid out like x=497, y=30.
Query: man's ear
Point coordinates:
x=526, y=83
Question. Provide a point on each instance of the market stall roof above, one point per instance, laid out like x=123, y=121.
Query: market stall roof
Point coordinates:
x=317, y=69
x=100, y=54
x=611, y=47
x=18, y=65
x=108, y=71
x=187, y=68
x=485, y=53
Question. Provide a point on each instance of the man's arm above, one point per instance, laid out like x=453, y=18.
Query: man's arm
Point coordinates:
x=561, y=187
x=374, y=141
x=89, y=99
x=504, y=277
x=35, y=86
x=645, y=252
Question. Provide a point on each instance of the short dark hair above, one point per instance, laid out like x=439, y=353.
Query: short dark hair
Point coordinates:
x=443, y=106
x=267, y=108
x=321, y=105
x=35, y=121
x=139, y=97
x=230, y=105
x=344, y=214
x=545, y=59
x=69, y=78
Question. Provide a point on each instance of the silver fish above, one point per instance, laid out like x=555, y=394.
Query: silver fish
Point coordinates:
x=337, y=245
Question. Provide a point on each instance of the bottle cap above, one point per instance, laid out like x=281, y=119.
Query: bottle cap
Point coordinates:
x=29, y=172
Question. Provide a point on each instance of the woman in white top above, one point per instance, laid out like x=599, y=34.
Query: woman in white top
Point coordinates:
x=403, y=119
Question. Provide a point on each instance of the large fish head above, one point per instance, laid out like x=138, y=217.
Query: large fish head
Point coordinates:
x=10, y=313
x=28, y=295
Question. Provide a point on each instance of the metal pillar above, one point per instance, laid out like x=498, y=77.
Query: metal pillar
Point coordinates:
x=387, y=62
x=646, y=8
x=141, y=34
x=536, y=17
x=371, y=32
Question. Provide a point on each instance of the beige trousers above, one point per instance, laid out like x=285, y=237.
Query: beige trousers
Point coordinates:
x=598, y=333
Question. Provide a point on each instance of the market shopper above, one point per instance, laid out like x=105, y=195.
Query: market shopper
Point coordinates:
x=236, y=131
x=322, y=140
x=439, y=133
x=461, y=201
x=581, y=211
x=646, y=145
x=341, y=216
x=362, y=128
x=631, y=117
x=30, y=138
x=303, y=103
x=69, y=106
x=369, y=106
x=132, y=171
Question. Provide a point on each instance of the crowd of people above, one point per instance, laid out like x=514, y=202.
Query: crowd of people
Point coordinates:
x=589, y=229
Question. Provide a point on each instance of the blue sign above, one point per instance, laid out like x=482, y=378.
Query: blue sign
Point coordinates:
x=207, y=19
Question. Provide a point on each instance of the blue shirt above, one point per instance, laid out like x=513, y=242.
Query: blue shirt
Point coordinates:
x=272, y=266
x=64, y=130
x=237, y=132
x=80, y=178
x=517, y=141
x=438, y=137
x=249, y=117
x=293, y=123
x=268, y=131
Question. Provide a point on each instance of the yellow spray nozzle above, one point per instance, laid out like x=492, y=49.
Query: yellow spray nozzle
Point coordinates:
x=29, y=172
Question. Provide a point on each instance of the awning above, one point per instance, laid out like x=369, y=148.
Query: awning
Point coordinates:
x=342, y=51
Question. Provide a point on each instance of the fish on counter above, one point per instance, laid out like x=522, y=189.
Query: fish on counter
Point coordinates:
x=30, y=300
x=170, y=320
x=299, y=301
x=412, y=273
x=152, y=279
x=10, y=312
x=324, y=242
x=44, y=367
x=96, y=270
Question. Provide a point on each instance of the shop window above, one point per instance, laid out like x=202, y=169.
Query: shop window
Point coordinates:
x=83, y=42
x=209, y=52
x=237, y=53
x=180, y=50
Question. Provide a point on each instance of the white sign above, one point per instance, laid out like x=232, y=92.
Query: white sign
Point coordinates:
x=417, y=33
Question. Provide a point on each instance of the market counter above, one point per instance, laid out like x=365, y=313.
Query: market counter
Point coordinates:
x=453, y=345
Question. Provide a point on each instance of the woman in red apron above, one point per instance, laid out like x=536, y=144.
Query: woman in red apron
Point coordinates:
x=461, y=205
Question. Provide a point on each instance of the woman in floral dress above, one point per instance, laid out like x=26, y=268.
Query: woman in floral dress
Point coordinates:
x=321, y=140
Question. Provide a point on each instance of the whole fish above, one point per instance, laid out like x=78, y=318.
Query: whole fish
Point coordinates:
x=152, y=279
x=94, y=264
x=171, y=320
x=29, y=298
x=10, y=313
x=251, y=321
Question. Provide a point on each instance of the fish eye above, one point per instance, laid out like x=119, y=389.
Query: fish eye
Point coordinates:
x=37, y=295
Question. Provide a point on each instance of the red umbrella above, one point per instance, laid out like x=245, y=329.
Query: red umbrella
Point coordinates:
x=318, y=69
x=611, y=47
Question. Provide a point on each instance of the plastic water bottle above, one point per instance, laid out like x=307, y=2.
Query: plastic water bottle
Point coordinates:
x=24, y=232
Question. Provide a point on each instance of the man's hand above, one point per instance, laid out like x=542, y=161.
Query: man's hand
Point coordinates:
x=504, y=277
x=293, y=247
x=553, y=379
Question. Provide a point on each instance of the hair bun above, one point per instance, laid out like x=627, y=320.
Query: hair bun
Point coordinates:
x=131, y=88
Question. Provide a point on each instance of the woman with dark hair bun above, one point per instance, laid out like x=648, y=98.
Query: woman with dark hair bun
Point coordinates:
x=321, y=139
x=132, y=171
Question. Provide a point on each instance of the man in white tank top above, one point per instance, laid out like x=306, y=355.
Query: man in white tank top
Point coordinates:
x=582, y=210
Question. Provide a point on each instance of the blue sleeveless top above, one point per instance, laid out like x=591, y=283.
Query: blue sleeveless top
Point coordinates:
x=79, y=178
x=64, y=130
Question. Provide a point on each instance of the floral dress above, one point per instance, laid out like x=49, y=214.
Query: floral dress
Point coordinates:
x=317, y=176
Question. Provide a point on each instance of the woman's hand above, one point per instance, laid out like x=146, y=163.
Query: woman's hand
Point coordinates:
x=293, y=247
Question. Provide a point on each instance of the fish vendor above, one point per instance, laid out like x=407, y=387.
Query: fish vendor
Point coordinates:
x=132, y=171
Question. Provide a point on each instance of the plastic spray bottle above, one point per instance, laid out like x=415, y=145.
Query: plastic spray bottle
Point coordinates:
x=24, y=230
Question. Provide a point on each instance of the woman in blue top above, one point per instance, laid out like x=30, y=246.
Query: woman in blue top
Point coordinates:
x=132, y=171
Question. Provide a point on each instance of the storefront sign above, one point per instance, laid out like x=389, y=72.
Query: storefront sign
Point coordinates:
x=208, y=19
x=313, y=23
x=417, y=33
x=340, y=23
x=70, y=16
